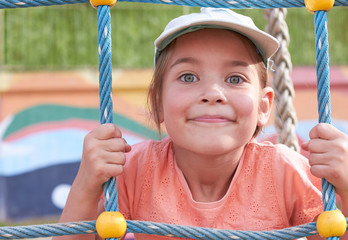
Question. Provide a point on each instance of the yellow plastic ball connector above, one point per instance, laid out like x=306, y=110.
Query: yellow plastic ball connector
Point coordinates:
x=319, y=5
x=331, y=224
x=96, y=3
x=111, y=225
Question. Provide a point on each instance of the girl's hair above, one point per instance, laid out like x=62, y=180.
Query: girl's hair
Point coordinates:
x=154, y=98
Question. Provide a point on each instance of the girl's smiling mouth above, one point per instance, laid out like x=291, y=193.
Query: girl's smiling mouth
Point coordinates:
x=211, y=119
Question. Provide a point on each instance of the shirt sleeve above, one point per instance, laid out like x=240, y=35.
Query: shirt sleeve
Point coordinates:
x=130, y=182
x=123, y=202
x=127, y=183
x=299, y=190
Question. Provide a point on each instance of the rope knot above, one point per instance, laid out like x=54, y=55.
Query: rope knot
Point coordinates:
x=319, y=5
x=96, y=3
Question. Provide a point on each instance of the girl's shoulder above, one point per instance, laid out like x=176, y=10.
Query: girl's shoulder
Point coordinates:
x=277, y=154
x=269, y=147
x=149, y=152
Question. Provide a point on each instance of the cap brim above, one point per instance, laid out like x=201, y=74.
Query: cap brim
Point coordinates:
x=265, y=43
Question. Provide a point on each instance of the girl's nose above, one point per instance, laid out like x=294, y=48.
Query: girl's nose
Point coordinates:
x=213, y=94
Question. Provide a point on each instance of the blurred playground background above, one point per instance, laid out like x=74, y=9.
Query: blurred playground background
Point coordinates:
x=49, y=90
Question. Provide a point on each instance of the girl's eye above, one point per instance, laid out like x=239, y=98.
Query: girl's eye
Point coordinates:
x=235, y=79
x=188, y=78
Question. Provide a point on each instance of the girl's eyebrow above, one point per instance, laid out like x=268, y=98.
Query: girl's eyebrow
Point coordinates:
x=192, y=60
x=184, y=60
x=238, y=63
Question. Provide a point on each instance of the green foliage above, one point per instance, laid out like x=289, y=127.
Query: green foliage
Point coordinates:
x=302, y=43
x=63, y=37
x=301, y=29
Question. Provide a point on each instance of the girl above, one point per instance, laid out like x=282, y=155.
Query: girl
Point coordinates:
x=210, y=92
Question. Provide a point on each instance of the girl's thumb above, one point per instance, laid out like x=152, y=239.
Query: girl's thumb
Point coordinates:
x=304, y=145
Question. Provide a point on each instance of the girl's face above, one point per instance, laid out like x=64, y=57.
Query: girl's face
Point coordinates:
x=212, y=100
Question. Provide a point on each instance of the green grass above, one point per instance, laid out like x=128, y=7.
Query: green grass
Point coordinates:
x=33, y=221
x=63, y=37
x=301, y=29
x=302, y=45
x=66, y=36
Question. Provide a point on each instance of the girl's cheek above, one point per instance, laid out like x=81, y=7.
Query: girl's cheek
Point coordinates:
x=245, y=105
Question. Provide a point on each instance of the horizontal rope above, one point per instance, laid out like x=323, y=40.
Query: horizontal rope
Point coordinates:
x=236, y=4
x=88, y=227
x=47, y=230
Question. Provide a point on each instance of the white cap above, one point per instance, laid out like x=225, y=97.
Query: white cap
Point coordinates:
x=220, y=18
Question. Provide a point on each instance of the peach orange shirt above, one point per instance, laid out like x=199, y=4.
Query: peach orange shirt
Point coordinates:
x=271, y=189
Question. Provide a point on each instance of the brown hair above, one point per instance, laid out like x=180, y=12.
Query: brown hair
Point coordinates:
x=154, y=98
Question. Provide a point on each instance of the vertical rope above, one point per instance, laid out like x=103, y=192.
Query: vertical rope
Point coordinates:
x=105, y=92
x=323, y=94
x=285, y=120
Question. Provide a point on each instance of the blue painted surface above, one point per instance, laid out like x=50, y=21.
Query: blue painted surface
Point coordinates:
x=44, y=149
x=30, y=194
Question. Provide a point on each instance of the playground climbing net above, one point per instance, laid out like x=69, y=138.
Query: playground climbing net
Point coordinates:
x=318, y=7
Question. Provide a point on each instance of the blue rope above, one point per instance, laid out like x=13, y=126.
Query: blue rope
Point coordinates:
x=215, y=234
x=323, y=95
x=105, y=91
x=47, y=230
x=162, y=229
x=236, y=4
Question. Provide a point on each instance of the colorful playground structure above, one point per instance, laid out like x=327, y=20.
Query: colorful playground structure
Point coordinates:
x=44, y=118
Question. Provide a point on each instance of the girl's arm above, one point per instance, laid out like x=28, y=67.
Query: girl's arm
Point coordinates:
x=103, y=157
x=328, y=148
x=79, y=207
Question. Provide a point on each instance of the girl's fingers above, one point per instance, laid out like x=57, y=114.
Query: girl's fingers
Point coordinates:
x=128, y=147
x=331, y=167
x=116, y=158
x=115, y=145
x=323, y=171
x=104, y=157
x=107, y=165
x=319, y=170
x=330, y=159
x=335, y=176
x=112, y=170
x=304, y=146
x=317, y=145
x=101, y=140
x=324, y=131
x=103, y=154
x=106, y=131
x=103, y=173
x=318, y=159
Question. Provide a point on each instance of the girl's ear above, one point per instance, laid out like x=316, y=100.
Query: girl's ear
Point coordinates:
x=265, y=106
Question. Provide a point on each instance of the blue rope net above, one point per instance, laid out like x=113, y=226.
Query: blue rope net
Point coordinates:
x=106, y=108
x=237, y=4
x=323, y=94
x=88, y=227
x=105, y=92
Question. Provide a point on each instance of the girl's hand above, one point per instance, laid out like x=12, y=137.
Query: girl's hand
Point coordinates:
x=103, y=157
x=328, y=148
